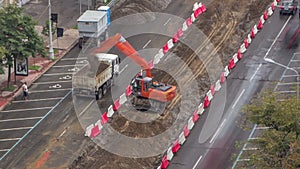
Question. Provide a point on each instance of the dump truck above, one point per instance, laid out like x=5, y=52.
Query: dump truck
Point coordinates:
x=88, y=82
x=92, y=24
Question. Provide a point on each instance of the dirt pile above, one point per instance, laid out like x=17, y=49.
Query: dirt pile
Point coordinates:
x=225, y=25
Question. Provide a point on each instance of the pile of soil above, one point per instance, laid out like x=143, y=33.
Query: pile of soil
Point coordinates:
x=225, y=24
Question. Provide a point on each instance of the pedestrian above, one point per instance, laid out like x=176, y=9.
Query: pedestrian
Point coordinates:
x=25, y=90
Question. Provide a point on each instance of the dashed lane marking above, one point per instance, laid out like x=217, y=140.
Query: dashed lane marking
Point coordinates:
x=197, y=162
x=56, y=74
x=16, y=110
x=236, y=101
x=167, y=21
x=9, y=139
x=65, y=81
x=21, y=119
x=146, y=44
x=36, y=100
x=54, y=89
x=18, y=128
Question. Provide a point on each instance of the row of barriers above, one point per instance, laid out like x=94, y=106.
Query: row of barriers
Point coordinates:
x=94, y=130
x=176, y=145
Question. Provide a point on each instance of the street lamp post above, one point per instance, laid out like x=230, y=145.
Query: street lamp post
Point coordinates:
x=51, y=53
x=279, y=64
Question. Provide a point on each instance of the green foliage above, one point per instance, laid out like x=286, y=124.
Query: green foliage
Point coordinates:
x=34, y=67
x=279, y=146
x=9, y=88
x=2, y=59
x=18, y=36
x=45, y=30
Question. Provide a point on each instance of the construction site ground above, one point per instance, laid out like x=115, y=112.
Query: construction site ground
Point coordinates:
x=225, y=24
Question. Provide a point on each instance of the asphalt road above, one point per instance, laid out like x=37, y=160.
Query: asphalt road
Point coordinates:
x=30, y=128
x=213, y=146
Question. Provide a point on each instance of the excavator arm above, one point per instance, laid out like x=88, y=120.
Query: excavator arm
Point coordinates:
x=123, y=45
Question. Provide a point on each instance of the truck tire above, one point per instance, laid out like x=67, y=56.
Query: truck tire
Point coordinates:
x=104, y=91
x=80, y=41
x=98, y=94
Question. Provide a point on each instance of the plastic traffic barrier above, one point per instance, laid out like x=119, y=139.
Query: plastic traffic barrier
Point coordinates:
x=179, y=32
x=88, y=130
x=128, y=90
x=164, y=162
x=200, y=108
x=176, y=146
x=110, y=111
x=189, y=22
x=151, y=64
x=95, y=131
x=123, y=98
x=170, y=44
x=246, y=43
x=117, y=105
x=212, y=89
x=190, y=123
x=165, y=48
x=170, y=154
x=175, y=38
x=195, y=116
x=231, y=64
x=226, y=71
x=217, y=85
x=222, y=77
x=181, y=138
x=266, y=15
x=186, y=131
x=104, y=118
x=206, y=102
x=239, y=54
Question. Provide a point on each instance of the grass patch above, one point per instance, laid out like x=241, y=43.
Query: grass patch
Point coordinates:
x=9, y=88
x=34, y=67
x=75, y=27
x=55, y=51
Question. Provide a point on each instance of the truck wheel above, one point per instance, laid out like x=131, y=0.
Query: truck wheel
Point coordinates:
x=98, y=94
x=104, y=89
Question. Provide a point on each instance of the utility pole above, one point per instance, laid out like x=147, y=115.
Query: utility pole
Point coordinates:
x=51, y=53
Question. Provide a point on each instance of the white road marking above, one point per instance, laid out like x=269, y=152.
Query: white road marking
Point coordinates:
x=255, y=72
x=146, y=44
x=36, y=100
x=19, y=128
x=250, y=149
x=4, y=150
x=262, y=128
x=73, y=58
x=10, y=139
x=197, y=162
x=245, y=159
x=291, y=91
x=238, y=99
x=289, y=76
x=217, y=132
x=295, y=60
x=16, y=110
x=65, y=81
x=56, y=74
x=291, y=83
x=62, y=133
x=86, y=107
x=40, y=91
x=20, y=119
x=123, y=68
x=58, y=66
x=167, y=22
x=277, y=36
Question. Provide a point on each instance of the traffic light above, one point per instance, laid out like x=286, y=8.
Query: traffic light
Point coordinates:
x=60, y=32
x=54, y=17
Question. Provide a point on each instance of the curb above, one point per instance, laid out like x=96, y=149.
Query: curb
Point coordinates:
x=19, y=91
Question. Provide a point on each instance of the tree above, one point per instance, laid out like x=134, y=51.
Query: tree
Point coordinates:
x=278, y=147
x=45, y=30
x=18, y=36
x=2, y=59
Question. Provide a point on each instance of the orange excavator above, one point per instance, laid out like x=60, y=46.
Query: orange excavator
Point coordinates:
x=142, y=84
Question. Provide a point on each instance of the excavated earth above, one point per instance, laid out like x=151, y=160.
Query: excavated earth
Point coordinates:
x=225, y=25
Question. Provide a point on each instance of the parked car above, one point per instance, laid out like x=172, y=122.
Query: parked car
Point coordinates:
x=288, y=7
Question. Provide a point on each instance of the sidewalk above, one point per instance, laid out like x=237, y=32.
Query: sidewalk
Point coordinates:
x=66, y=43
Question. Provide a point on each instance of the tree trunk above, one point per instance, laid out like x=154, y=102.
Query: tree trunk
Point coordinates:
x=8, y=75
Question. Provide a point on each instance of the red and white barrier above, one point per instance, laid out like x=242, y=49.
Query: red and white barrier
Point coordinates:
x=95, y=131
x=243, y=48
x=200, y=109
x=88, y=130
x=222, y=77
x=123, y=98
x=270, y=11
x=165, y=48
x=181, y=138
x=217, y=85
x=170, y=153
x=195, y=116
x=164, y=162
x=176, y=146
x=110, y=111
x=206, y=102
x=170, y=44
x=249, y=40
x=104, y=118
x=128, y=90
x=231, y=64
x=184, y=26
x=235, y=58
x=209, y=95
x=212, y=89
x=191, y=123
